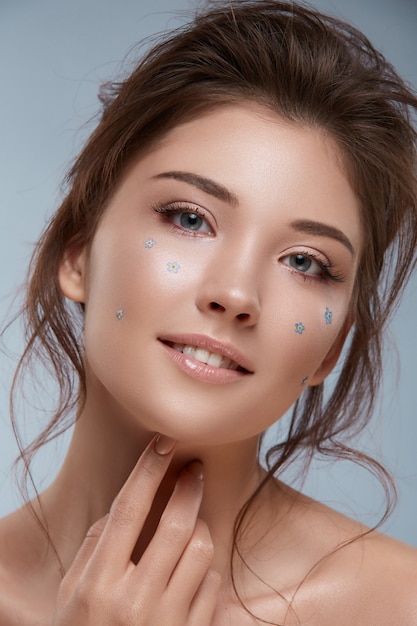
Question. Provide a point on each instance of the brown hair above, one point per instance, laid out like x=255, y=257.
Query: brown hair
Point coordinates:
x=307, y=68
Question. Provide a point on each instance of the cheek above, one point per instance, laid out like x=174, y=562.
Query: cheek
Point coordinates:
x=166, y=272
x=137, y=284
x=134, y=274
x=313, y=347
x=308, y=330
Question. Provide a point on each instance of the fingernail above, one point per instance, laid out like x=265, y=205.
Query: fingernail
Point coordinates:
x=196, y=469
x=163, y=445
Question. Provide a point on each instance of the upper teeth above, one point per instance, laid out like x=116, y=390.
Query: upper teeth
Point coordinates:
x=210, y=358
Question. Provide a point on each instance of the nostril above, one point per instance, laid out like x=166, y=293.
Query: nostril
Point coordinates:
x=215, y=306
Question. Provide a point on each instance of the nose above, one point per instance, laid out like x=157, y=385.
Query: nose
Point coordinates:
x=229, y=290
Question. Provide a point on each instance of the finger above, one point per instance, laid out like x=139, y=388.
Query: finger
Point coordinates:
x=131, y=507
x=192, y=566
x=174, y=531
x=205, y=601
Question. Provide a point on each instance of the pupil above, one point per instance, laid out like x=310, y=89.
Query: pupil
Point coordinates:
x=190, y=220
x=301, y=262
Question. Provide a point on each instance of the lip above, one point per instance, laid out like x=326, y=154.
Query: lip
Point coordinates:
x=202, y=371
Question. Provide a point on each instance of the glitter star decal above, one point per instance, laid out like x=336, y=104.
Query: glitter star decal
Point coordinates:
x=328, y=316
x=149, y=243
x=173, y=267
x=299, y=328
x=119, y=314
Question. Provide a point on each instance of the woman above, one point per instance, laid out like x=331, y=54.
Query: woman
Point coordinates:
x=245, y=208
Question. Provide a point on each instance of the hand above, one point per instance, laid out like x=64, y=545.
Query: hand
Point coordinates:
x=172, y=584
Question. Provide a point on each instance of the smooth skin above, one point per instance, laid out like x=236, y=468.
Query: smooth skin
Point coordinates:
x=144, y=526
x=172, y=583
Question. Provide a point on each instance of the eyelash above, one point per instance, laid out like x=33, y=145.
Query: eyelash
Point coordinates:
x=177, y=208
x=328, y=272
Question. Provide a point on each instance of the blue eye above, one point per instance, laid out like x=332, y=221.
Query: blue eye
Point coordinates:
x=188, y=219
x=303, y=263
x=191, y=221
x=312, y=267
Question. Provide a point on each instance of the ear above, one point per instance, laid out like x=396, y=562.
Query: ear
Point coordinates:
x=72, y=273
x=332, y=356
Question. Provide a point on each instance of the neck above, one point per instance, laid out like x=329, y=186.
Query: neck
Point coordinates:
x=101, y=456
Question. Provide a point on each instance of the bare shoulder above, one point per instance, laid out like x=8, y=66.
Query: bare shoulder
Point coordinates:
x=372, y=577
x=390, y=567
x=19, y=583
x=351, y=574
x=9, y=548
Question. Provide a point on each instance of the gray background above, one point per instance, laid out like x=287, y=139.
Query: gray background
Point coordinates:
x=54, y=54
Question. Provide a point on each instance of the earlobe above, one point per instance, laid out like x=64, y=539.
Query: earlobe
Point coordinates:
x=332, y=356
x=72, y=274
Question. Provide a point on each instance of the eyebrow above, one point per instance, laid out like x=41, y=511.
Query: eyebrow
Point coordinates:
x=205, y=184
x=221, y=192
x=312, y=227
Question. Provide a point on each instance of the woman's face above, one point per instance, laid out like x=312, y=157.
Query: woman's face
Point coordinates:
x=219, y=280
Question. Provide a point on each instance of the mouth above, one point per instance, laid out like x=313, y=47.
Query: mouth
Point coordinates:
x=210, y=352
x=209, y=358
